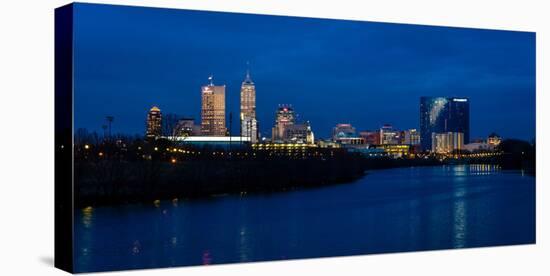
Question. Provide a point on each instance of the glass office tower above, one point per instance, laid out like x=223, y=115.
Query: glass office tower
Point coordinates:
x=443, y=114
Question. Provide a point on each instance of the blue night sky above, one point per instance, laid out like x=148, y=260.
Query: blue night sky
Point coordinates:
x=331, y=71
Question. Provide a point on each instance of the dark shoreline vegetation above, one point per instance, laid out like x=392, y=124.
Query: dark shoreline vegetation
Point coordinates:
x=137, y=171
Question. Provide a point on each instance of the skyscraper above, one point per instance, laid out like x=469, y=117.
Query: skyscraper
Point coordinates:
x=283, y=118
x=249, y=125
x=154, y=123
x=213, y=110
x=441, y=115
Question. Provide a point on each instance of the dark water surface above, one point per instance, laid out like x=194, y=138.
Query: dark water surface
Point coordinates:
x=404, y=209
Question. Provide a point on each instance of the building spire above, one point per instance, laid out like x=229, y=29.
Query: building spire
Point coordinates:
x=247, y=78
x=210, y=78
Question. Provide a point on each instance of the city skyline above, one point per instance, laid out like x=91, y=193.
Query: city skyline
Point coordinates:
x=187, y=138
x=365, y=84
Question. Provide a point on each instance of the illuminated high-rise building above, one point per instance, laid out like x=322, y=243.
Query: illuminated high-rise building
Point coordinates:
x=213, y=110
x=283, y=118
x=249, y=124
x=441, y=115
x=154, y=123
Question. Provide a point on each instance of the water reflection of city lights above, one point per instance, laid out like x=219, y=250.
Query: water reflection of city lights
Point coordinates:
x=483, y=169
x=244, y=246
x=459, y=216
x=459, y=170
x=87, y=216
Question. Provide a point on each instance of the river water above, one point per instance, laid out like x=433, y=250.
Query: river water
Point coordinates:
x=395, y=210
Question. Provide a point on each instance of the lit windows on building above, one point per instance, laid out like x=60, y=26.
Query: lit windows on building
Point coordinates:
x=284, y=117
x=370, y=137
x=389, y=136
x=286, y=130
x=154, y=123
x=443, y=114
x=410, y=137
x=494, y=140
x=299, y=133
x=342, y=132
x=395, y=151
x=187, y=127
x=448, y=142
x=249, y=124
x=213, y=110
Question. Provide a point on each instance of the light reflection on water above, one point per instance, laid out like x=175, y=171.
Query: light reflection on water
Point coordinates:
x=87, y=218
x=386, y=211
x=459, y=215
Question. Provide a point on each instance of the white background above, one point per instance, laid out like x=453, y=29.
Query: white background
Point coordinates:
x=26, y=136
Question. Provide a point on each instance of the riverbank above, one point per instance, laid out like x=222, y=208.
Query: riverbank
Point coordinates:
x=104, y=177
x=114, y=182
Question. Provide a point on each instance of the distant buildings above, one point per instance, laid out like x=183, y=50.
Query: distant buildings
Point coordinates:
x=494, y=140
x=341, y=131
x=154, y=123
x=444, y=126
x=284, y=117
x=299, y=134
x=489, y=144
x=442, y=115
x=345, y=134
x=445, y=143
x=187, y=127
x=410, y=137
x=213, y=110
x=389, y=136
x=370, y=137
x=477, y=146
x=286, y=130
x=249, y=124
